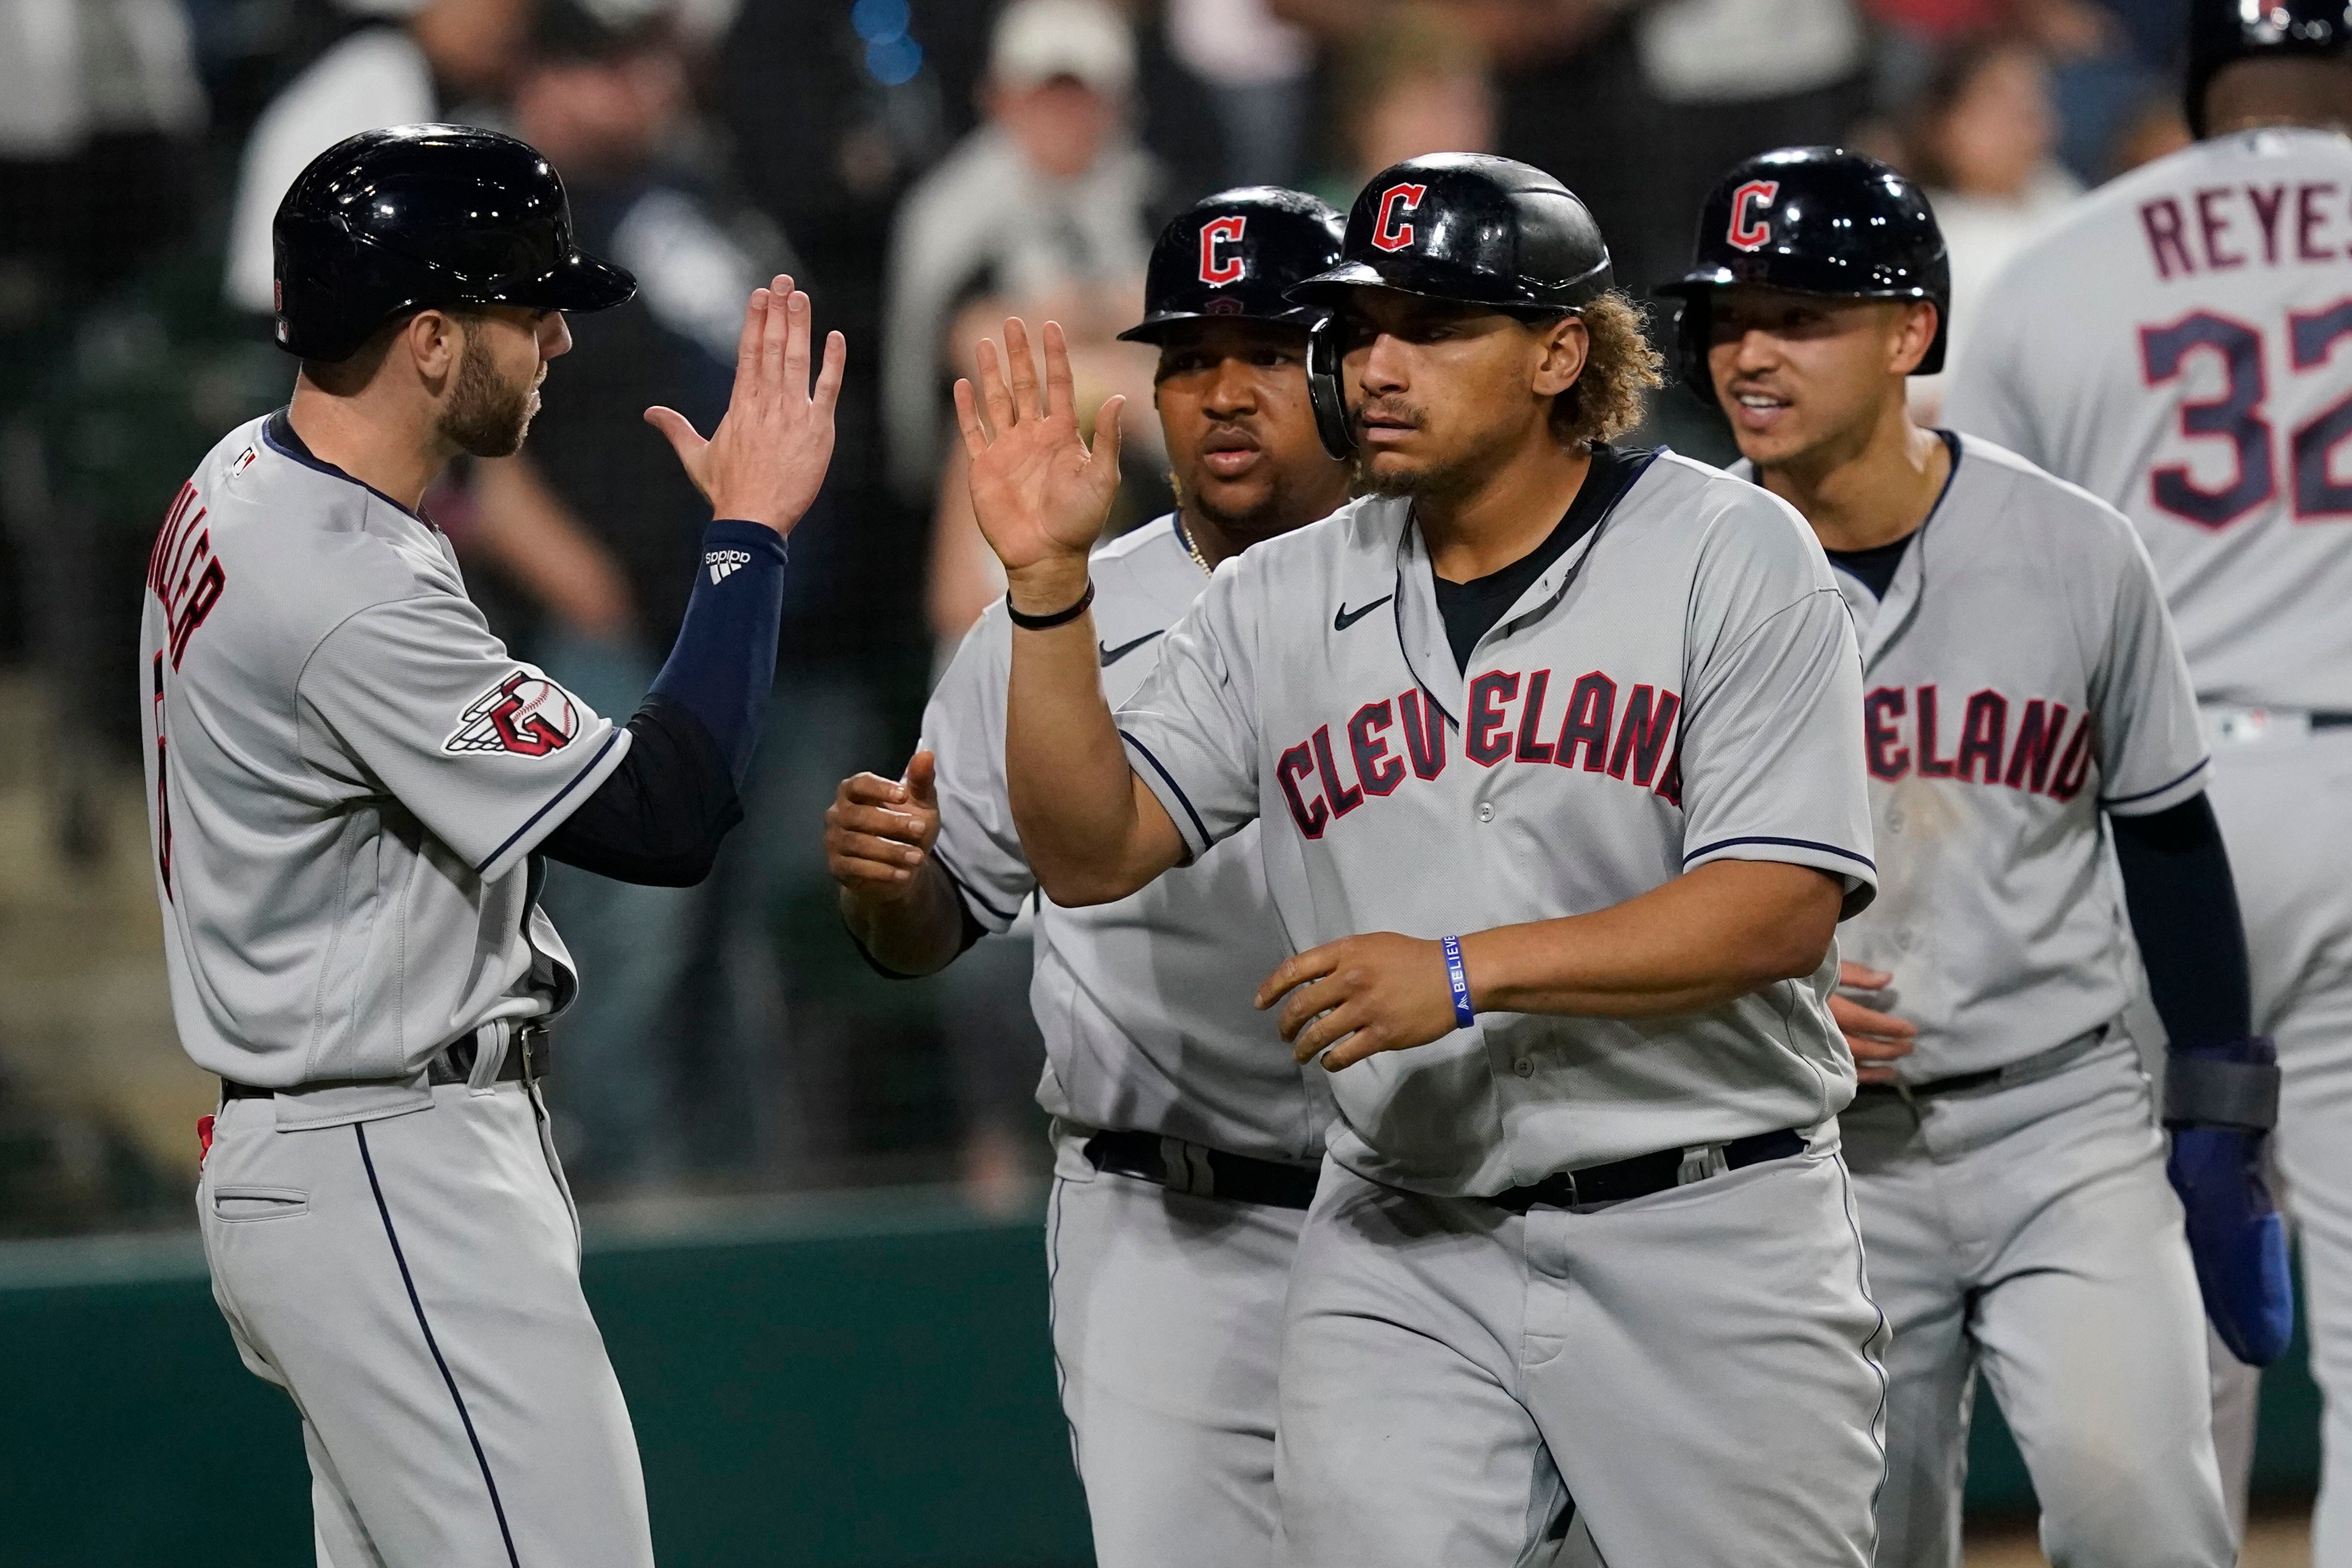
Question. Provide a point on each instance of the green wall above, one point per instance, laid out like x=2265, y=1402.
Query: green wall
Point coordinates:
x=849, y=1382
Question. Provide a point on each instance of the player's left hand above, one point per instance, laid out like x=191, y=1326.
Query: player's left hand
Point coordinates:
x=767, y=458
x=1361, y=994
x=1876, y=1039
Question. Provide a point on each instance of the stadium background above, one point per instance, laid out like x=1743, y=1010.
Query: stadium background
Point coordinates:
x=811, y=1193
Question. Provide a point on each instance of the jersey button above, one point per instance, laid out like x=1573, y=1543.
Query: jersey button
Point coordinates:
x=1486, y=811
x=1525, y=1067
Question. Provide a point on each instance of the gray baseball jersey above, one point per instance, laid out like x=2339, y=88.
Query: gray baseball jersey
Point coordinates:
x=1680, y=687
x=2174, y=346
x=1145, y=1003
x=2177, y=347
x=2021, y=677
x=347, y=775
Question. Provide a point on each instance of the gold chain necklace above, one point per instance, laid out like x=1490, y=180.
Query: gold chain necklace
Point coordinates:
x=1191, y=549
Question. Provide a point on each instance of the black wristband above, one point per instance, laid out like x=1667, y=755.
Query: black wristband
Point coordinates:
x=1058, y=618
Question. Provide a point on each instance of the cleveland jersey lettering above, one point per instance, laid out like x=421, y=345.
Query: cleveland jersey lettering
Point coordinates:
x=1382, y=739
x=1903, y=730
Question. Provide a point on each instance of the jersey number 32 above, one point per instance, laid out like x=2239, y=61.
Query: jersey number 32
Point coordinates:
x=2237, y=416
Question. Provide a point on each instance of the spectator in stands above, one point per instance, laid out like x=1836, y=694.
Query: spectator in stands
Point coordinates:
x=413, y=60
x=1049, y=200
x=100, y=113
x=1412, y=83
x=1739, y=77
x=1259, y=72
x=1982, y=142
x=599, y=528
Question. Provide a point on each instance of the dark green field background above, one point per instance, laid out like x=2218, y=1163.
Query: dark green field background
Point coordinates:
x=838, y=1382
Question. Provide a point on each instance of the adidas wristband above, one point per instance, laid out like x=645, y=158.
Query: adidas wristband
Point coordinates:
x=723, y=664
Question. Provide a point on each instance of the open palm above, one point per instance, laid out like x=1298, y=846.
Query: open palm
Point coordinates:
x=1040, y=495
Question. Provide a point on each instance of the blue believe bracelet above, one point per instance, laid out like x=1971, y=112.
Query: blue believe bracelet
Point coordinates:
x=1460, y=978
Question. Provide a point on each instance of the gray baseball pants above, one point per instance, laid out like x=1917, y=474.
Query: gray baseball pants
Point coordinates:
x=2026, y=1229
x=1166, y=1313
x=2284, y=803
x=413, y=1283
x=1697, y=1369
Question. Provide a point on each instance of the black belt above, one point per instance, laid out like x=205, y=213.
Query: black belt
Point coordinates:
x=1183, y=1167
x=1642, y=1175
x=527, y=1059
x=1934, y=1086
x=2330, y=720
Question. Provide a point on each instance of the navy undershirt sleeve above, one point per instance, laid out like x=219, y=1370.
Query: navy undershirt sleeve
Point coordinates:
x=723, y=664
x=658, y=818
x=2184, y=910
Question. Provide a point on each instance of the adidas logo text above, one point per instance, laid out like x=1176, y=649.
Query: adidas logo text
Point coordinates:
x=725, y=563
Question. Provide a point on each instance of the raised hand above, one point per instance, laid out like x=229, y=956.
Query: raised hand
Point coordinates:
x=1040, y=495
x=768, y=457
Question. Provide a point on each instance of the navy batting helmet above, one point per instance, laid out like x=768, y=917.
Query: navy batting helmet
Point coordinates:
x=419, y=216
x=1460, y=227
x=1232, y=255
x=2221, y=32
x=1814, y=220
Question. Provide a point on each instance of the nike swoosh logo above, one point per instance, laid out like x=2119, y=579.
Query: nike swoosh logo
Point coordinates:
x=1111, y=655
x=1347, y=617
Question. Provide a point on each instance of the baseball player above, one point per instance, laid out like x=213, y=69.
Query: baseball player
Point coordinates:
x=353, y=789
x=2006, y=1156
x=1186, y=1139
x=1555, y=752
x=2176, y=346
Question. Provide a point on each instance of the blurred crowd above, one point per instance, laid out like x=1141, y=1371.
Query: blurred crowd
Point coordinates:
x=924, y=167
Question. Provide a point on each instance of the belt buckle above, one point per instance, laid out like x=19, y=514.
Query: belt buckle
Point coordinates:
x=530, y=1046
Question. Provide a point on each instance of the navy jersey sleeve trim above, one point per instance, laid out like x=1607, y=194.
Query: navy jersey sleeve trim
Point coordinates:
x=964, y=888
x=1199, y=828
x=1791, y=843
x=2108, y=803
x=611, y=740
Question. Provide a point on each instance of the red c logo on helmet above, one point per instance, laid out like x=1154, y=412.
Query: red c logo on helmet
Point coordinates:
x=1217, y=231
x=1747, y=231
x=1387, y=233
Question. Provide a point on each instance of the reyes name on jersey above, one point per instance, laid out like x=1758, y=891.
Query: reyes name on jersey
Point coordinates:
x=1144, y=1002
x=1680, y=687
x=2181, y=346
x=347, y=774
x=2020, y=676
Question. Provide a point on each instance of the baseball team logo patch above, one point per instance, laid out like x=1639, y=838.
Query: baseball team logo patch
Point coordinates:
x=525, y=715
x=1220, y=238
x=1747, y=231
x=724, y=563
x=1391, y=232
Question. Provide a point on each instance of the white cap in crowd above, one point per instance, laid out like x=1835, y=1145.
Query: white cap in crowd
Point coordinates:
x=1037, y=41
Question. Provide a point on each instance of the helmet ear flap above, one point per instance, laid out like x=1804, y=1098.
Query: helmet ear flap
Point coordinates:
x=1932, y=363
x=1693, y=329
x=1325, y=391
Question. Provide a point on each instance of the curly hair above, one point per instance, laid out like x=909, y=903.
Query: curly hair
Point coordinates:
x=1620, y=371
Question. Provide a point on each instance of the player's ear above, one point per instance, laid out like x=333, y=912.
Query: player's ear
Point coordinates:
x=436, y=342
x=1915, y=334
x=1563, y=346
